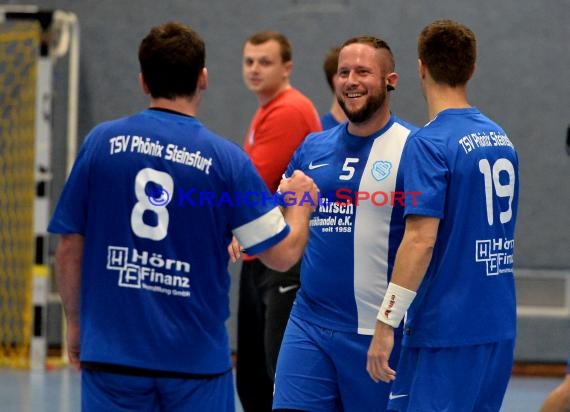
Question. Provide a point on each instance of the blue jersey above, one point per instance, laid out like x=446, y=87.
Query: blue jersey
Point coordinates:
x=466, y=169
x=352, y=244
x=157, y=197
x=328, y=121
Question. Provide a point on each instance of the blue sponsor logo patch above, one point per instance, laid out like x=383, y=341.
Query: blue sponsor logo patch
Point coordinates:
x=381, y=169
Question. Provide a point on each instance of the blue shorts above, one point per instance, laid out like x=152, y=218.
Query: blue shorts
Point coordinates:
x=463, y=378
x=320, y=369
x=104, y=391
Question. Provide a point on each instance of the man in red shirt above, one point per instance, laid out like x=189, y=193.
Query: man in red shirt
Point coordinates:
x=284, y=118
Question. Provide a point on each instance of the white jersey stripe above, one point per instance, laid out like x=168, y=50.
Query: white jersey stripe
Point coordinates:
x=371, y=244
x=260, y=229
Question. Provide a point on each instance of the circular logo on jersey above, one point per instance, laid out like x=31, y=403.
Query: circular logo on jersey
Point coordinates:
x=381, y=169
x=157, y=196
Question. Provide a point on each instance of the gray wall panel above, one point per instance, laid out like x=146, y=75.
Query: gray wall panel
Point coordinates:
x=522, y=77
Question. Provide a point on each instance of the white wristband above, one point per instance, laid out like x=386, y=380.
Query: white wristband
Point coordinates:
x=396, y=302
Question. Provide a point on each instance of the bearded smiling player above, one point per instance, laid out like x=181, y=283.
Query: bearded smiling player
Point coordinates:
x=348, y=260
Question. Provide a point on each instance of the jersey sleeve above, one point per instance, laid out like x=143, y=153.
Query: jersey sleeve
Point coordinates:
x=70, y=215
x=257, y=222
x=425, y=174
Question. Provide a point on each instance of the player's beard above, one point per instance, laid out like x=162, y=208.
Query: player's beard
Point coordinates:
x=373, y=103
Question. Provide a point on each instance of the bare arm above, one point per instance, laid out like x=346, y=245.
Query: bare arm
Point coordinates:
x=69, y=255
x=412, y=260
x=286, y=253
x=559, y=399
x=415, y=251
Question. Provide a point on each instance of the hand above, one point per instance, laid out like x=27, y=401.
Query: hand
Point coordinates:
x=73, y=344
x=306, y=192
x=234, y=250
x=379, y=354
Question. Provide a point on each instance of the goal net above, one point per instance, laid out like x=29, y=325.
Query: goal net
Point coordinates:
x=19, y=44
x=31, y=42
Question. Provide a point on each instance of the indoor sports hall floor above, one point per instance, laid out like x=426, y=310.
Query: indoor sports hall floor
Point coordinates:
x=58, y=391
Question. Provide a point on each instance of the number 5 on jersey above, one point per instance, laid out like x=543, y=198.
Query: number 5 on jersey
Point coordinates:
x=346, y=167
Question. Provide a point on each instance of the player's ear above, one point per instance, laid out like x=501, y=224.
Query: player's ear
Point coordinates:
x=288, y=68
x=203, y=79
x=391, y=81
x=421, y=69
